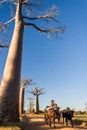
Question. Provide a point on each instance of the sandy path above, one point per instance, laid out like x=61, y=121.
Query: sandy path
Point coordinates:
x=35, y=122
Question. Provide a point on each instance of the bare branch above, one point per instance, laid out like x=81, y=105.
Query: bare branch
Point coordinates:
x=36, y=27
x=51, y=30
x=3, y=25
x=33, y=3
x=40, y=17
x=3, y=43
x=25, y=2
x=25, y=82
x=2, y=1
x=9, y=21
x=47, y=22
x=36, y=91
x=49, y=14
x=3, y=46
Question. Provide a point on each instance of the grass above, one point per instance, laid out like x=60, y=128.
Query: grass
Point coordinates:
x=13, y=125
x=80, y=120
x=10, y=128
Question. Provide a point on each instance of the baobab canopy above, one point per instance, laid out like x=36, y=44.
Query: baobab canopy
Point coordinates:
x=35, y=14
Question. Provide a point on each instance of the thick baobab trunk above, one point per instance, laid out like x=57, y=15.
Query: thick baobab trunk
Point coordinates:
x=21, y=100
x=10, y=85
x=37, y=105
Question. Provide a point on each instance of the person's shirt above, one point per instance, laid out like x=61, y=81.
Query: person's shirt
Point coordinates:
x=52, y=104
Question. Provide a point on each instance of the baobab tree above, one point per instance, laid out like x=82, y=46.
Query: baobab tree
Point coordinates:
x=31, y=104
x=23, y=85
x=36, y=92
x=26, y=13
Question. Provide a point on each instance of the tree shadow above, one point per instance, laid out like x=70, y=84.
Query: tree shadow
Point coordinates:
x=38, y=123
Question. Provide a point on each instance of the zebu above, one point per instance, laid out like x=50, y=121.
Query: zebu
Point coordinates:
x=50, y=116
x=67, y=116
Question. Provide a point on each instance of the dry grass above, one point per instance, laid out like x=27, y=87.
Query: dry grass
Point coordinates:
x=13, y=125
x=80, y=120
x=10, y=128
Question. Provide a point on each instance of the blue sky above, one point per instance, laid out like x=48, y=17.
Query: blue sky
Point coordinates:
x=57, y=65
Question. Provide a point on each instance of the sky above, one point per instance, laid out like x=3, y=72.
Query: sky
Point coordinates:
x=57, y=65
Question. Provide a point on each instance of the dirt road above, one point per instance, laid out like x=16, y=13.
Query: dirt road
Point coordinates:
x=36, y=122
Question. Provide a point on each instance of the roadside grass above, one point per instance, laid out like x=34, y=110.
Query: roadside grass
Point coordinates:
x=13, y=125
x=80, y=120
x=18, y=125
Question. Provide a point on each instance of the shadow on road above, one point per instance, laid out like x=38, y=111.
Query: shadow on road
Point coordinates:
x=35, y=122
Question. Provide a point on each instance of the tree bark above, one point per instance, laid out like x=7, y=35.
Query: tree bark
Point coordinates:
x=21, y=97
x=21, y=100
x=10, y=84
x=37, y=105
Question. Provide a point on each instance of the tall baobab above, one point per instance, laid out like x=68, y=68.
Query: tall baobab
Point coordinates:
x=36, y=92
x=23, y=85
x=26, y=13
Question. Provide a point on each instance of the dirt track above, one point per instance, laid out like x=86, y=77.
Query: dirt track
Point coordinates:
x=35, y=122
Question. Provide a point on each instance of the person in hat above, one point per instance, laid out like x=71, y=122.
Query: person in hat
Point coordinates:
x=52, y=104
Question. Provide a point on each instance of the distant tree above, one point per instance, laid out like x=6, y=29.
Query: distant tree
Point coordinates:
x=23, y=85
x=86, y=107
x=31, y=104
x=26, y=13
x=36, y=92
